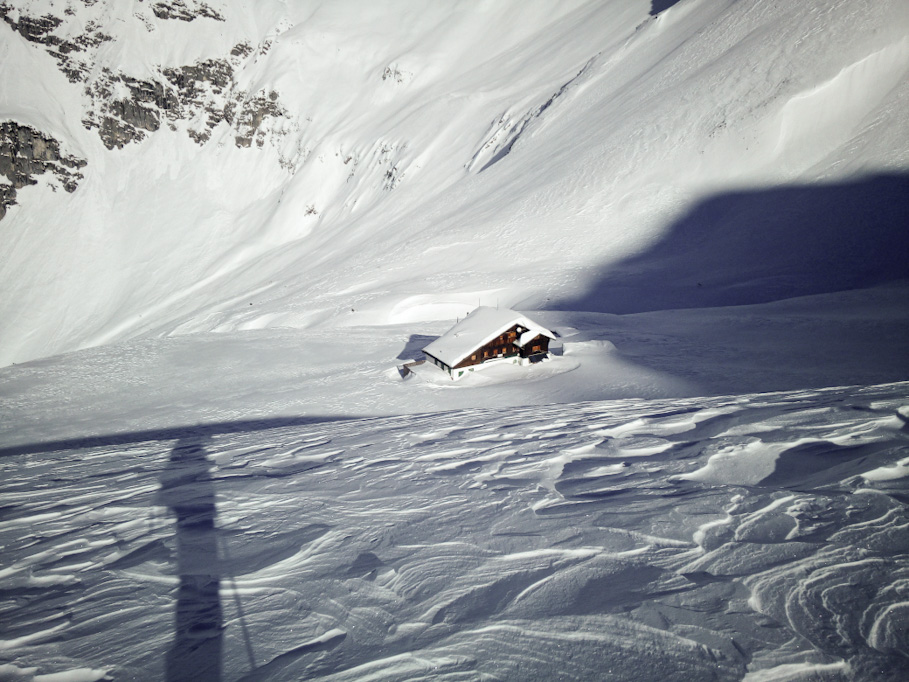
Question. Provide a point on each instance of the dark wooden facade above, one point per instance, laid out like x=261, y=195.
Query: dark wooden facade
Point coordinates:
x=539, y=345
x=505, y=346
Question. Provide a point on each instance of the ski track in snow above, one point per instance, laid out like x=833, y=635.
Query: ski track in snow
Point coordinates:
x=757, y=537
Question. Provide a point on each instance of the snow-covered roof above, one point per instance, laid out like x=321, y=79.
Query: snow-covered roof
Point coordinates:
x=478, y=328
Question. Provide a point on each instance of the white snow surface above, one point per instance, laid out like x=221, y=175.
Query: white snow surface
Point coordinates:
x=549, y=542
x=212, y=469
x=582, y=155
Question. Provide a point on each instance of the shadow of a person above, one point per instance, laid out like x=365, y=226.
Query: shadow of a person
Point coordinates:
x=188, y=492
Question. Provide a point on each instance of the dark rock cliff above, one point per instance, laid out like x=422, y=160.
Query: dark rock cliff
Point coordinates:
x=25, y=153
x=125, y=109
x=66, y=51
x=178, y=9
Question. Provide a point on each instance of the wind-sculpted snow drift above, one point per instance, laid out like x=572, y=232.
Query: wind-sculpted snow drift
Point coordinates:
x=757, y=536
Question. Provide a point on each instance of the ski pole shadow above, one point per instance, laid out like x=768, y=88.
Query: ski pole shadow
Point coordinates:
x=188, y=492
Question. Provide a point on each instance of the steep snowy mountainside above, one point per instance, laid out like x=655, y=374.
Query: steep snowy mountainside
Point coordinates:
x=266, y=164
x=227, y=224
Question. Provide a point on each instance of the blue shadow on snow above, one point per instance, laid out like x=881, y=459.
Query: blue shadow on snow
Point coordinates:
x=763, y=245
x=197, y=431
x=188, y=492
x=657, y=6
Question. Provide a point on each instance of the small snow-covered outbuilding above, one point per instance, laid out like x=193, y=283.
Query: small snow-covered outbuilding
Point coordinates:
x=487, y=335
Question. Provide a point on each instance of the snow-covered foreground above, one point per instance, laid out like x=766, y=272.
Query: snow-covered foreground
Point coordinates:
x=756, y=536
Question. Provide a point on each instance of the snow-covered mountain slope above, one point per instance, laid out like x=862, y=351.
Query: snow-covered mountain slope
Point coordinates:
x=309, y=163
x=226, y=223
x=759, y=537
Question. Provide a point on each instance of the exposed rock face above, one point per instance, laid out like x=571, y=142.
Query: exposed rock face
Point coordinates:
x=66, y=52
x=249, y=115
x=396, y=74
x=124, y=109
x=201, y=91
x=241, y=50
x=184, y=11
x=25, y=153
x=393, y=174
x=33, y=29
x=123, y=119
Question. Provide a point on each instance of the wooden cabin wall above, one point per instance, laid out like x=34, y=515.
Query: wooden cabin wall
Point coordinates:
x=504, y=345
x=539, y=344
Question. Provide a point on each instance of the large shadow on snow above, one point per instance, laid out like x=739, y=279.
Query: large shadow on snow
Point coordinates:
x=413, y=349
x=188, y=492
x=764, y=245
x=203, y=561
x=199, y=432
x=657, y=6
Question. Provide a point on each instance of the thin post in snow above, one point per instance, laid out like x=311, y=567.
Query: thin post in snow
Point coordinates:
x=244, y=629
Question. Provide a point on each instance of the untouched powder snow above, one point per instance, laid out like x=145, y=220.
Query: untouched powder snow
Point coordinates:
x=601, y=540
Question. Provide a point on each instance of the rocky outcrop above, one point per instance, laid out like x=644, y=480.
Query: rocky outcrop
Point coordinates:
x=249, y=115
x=66, y=51
x=125, y=109
x=33, y=29
x=201, y=91
x=396, y=74
x=184, y=11
x=392, y=171
x=26, y=152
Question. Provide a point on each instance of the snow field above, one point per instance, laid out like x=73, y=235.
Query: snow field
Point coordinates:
x=575, y=540
x=225, y=474
x=147, y=384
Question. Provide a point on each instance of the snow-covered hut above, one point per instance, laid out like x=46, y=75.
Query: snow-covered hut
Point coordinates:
x=489, y=335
